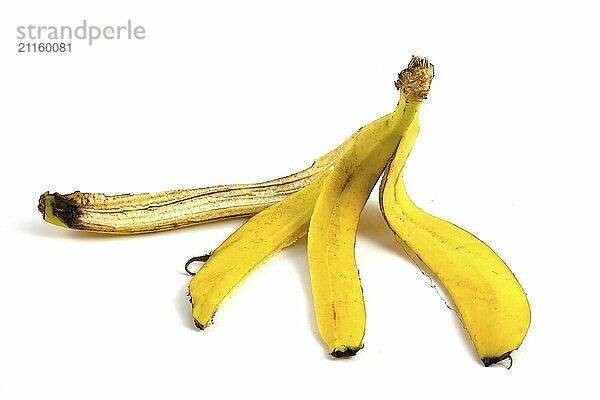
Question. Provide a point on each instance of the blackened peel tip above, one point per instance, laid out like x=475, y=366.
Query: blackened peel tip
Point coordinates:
x=199, y=325
x=489, y=361
x=345, y=353
x=42, y=203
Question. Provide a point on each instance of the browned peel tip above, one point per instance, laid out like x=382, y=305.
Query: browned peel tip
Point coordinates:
x=199, y=325
x=350, y=352
x=346, y=352
x=489, y=361
x=415, y=80
x=65, y=210
x=42, y=204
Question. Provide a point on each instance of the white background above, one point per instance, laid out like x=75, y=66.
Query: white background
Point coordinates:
x=232, y=92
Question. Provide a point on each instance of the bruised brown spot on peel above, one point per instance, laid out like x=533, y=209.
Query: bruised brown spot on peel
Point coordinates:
x=333, y=313
x=66, y=211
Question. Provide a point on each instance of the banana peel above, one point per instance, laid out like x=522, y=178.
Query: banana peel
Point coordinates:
x=325, y=201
